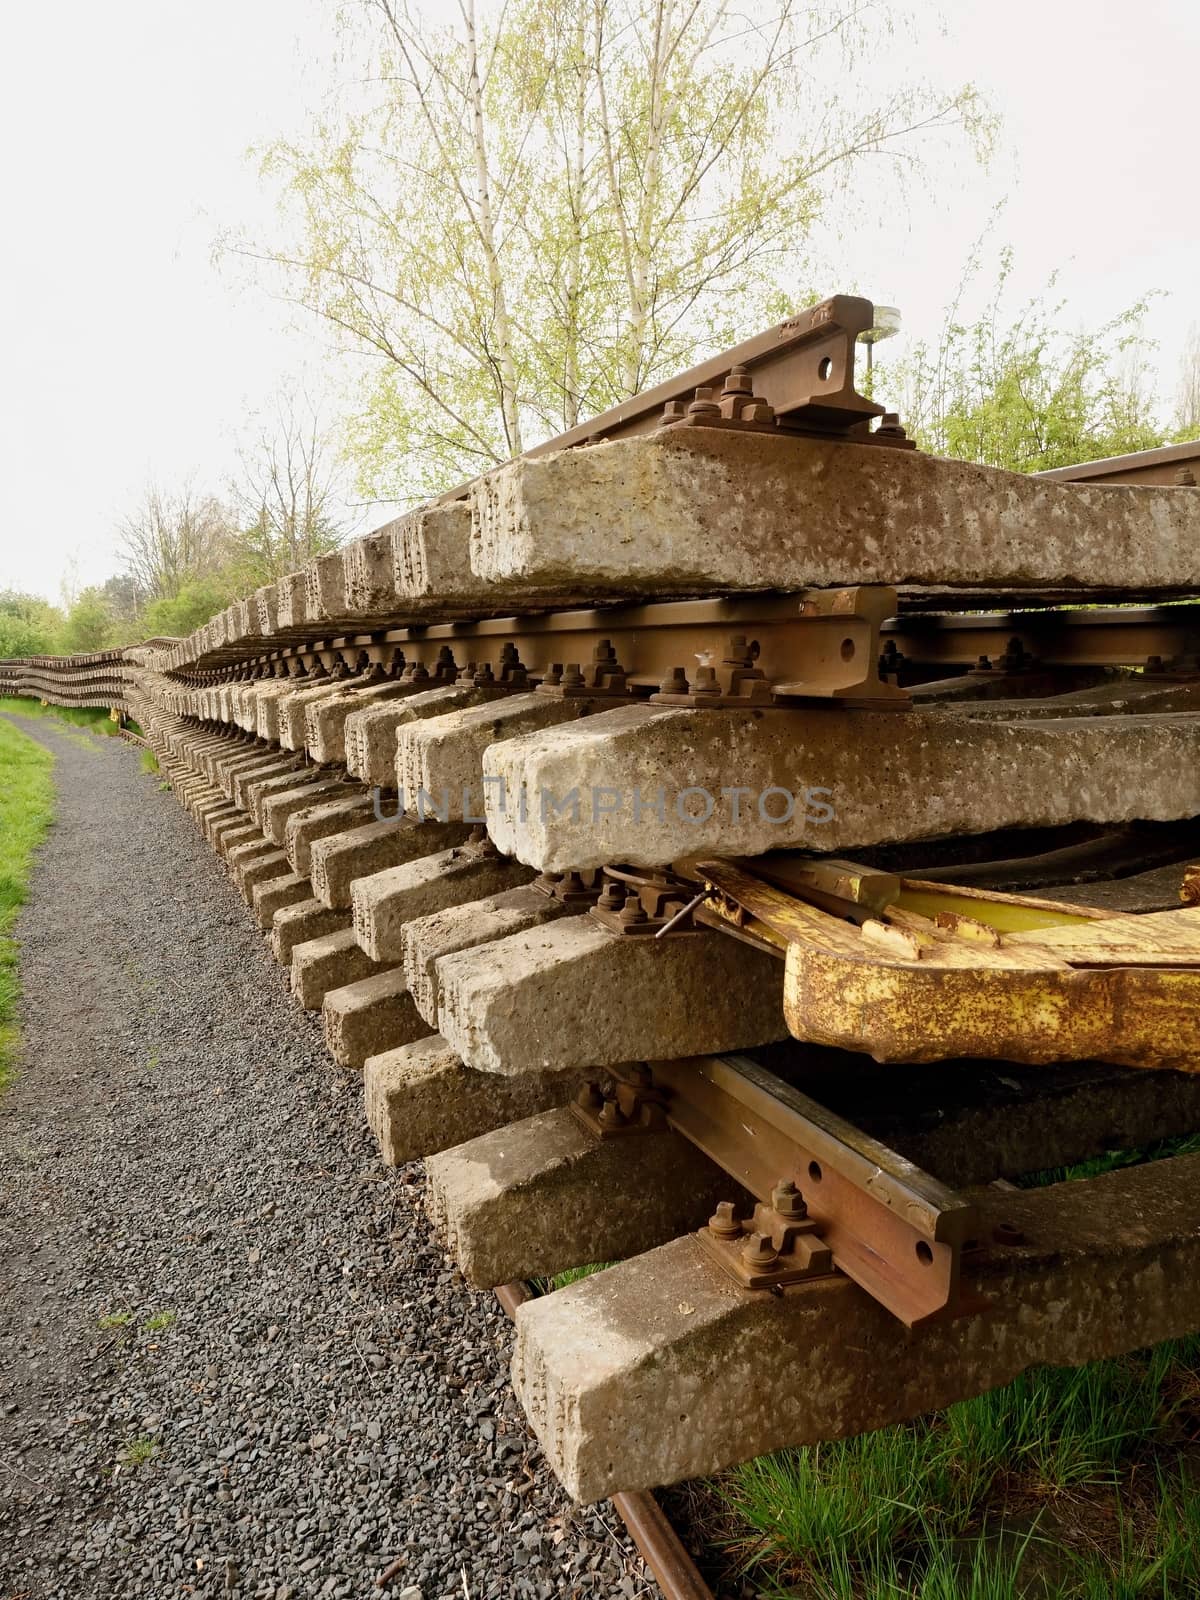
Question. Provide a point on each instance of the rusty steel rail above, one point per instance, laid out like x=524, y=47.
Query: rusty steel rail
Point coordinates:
x=830, y=1196
x=913, y=969
x=821, y=643
x=1072, y=1272
x=1147, y=636
x=846, y=646
x=894, y=1229
x=797, y=377
x=793, y=381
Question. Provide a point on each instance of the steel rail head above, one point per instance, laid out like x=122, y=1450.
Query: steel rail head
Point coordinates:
x=797, y=377
x=896, y=1230
x=852, y=646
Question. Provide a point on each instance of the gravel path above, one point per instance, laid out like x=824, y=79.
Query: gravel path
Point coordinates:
x=231, y=1360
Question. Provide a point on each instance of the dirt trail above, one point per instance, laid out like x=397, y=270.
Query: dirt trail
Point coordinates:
x=231, y=1360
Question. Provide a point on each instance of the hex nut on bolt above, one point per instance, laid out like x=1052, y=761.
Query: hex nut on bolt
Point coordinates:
x=788, y=1201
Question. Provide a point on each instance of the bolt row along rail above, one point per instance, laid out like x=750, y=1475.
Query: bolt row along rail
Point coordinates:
x=734, y=844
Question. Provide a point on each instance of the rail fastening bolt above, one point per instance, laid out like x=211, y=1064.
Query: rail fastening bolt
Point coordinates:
x=758, y=1251
x=610, y=1115
x=788, y=1201
x=724, y=1222
x=589, y=1097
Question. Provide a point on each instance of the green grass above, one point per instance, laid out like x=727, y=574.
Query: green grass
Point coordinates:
x=1068, y=1482
x=138, y=1452
x=26, y=808
x=1113, y=1161
x=95, y=719
x=575, y=1274
x=149, y=761
x=562, y=1279
x=1066, y=1426
x=156, y=1322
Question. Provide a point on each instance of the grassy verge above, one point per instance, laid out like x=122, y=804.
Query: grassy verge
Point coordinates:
x=26, y=806
x=1078, y=1483
x=95, y=719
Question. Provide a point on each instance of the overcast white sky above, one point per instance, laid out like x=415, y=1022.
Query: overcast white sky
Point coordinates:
x=124, y=352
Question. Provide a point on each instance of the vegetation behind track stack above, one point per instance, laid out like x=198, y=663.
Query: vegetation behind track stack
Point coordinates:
x=26, y=808
x=95, y=719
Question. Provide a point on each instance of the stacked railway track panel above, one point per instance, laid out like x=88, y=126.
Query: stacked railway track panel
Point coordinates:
x=737, y=846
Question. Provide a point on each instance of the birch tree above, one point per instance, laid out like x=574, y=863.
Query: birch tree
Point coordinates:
x=536, y=210
x=285, y=497
x=1188, y=394
x=171, y=538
